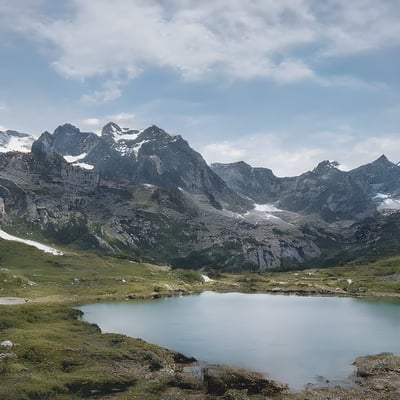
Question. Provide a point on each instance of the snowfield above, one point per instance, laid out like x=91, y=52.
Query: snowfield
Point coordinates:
x=266, y=208
x=40, y=246
x=387, y=203
x=72, y=159
x=83, y=165
x=21, y=144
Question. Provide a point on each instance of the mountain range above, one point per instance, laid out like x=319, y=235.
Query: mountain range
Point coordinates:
x=147, y=195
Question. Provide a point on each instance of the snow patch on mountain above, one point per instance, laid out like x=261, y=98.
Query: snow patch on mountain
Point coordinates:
x=40, y=246
x=381, y=196
x=386, y=203
x=266, y=212
x=138, y=146
x=72, y=159
x=127, y=136
x=15, y=141
x=127, y=149
x=389, y=204
x=266, y=208
x=83, y=165
x=120, y=134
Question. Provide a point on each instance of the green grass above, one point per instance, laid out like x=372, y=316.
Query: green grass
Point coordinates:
x=89, y=276
x=57, y=356
x=30, y=273
x=380, y=278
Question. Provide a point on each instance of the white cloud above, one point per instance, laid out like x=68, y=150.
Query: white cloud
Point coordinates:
x=91, y=122
x=122, y=117
x=2, y=128
x=270, y=150
x=241, y=40
x=193, y=38
x=110, y=91
x=287, y=158
x=223, y=152
x=352, y=83
x=358, y=26
x=119, y=118
x=385, y=144
x=234, y=39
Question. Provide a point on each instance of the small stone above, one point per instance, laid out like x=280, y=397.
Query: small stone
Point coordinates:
x=7, y=343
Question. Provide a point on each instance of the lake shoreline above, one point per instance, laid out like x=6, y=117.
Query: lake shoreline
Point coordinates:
x=161, y=369
x=198, y=304
x=74, y=285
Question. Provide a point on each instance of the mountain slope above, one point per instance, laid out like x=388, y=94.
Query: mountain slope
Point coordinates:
x=15, y=141
x=43, y=193
x=148, y=195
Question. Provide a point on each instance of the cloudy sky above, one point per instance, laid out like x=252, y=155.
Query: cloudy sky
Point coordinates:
x=281, y=84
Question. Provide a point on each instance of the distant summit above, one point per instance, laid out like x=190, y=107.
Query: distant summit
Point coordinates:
x=326, y=191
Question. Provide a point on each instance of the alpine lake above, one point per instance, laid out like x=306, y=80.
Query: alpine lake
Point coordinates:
x=297, y=340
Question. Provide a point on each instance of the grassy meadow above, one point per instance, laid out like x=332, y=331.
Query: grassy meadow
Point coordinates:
x=55, y=355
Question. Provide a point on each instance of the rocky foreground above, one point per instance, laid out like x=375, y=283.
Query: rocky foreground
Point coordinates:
x=376, y=378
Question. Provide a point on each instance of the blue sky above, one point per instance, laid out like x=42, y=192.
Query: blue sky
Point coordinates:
x=281, y=84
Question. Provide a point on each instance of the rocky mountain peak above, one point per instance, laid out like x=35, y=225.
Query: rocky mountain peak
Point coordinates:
x=111, y=128
x=382, y=161
x=325, y=167
x=238, y=165
x=154, y=132
x=158, y=197
x=67, y=139
x=114, y=132
x=66, y=129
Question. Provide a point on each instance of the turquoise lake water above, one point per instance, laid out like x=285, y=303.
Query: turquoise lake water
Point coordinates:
x=293, y=339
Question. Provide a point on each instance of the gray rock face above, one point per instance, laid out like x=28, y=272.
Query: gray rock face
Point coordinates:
x=151, y=156
x=148, y=195
x=69, y=140
x=326, y=191
x=74, y=206
x=260, y=184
